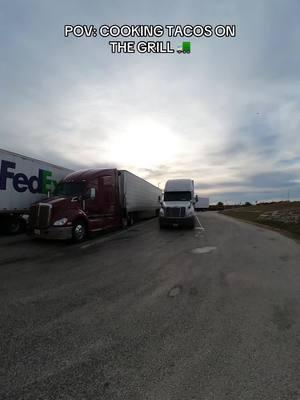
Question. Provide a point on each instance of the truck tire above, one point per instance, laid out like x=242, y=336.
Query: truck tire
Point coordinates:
x=124, y=222
x=79, y=231
x=14, y=226
x=162, y=225
x=130, y=219
x=192, y=225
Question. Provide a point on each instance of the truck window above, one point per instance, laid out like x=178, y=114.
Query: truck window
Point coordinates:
x=69, y=189
x=93, y=184
x=177, y=196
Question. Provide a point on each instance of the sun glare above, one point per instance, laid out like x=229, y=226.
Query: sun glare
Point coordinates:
x=143, y=143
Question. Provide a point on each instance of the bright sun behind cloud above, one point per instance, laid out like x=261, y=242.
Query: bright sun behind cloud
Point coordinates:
x=143, y=143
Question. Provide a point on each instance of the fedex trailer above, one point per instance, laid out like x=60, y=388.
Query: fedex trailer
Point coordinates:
x=23, y=181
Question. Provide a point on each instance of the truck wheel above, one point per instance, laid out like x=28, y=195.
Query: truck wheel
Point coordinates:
x=79, y=232
x=14, y=226
x=124, y=222
x=192, y=225
x=130, y=219
x=161, y=225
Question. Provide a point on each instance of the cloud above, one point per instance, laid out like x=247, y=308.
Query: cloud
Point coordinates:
x=227, y=115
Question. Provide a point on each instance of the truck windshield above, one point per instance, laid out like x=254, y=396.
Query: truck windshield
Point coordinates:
x=177, y=196
x=69, y=189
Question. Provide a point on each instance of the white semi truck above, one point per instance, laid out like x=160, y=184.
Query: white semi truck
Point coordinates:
x=23, y=181
x=202, y=204
x=177, y=207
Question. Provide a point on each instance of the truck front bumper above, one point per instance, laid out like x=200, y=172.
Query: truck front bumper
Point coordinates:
x=54, y=233
x=188, y=221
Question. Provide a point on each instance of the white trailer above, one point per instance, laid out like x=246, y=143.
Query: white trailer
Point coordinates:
x=23, y=181
x=140, y=198
x=202, y=203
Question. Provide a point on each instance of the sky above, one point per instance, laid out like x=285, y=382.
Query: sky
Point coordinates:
x=226, y=115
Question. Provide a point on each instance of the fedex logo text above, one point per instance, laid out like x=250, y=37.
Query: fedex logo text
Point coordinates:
x=35, y=184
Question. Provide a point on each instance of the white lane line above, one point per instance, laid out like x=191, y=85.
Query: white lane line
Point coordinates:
x=108, y=237
x=200, y=227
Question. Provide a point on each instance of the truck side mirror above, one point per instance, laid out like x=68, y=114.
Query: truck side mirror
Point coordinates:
x=90, y=194
x=196, y=198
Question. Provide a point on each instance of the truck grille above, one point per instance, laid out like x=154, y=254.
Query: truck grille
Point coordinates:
x=33, y=217
x=40, y=215
x=174, y=212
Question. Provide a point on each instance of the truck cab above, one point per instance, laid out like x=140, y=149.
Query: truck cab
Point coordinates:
x=177, y=207
x=84, y=201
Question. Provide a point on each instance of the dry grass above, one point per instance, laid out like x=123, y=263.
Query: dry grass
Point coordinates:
x=277, y=215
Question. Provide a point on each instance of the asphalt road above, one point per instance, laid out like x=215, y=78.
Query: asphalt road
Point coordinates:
x=148, y=314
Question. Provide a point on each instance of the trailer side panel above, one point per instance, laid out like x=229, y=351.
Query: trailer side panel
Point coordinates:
x=139, y=195
x=24, y=180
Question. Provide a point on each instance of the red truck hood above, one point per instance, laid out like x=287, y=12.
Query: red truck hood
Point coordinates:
x=61, y=202
x=63, y=207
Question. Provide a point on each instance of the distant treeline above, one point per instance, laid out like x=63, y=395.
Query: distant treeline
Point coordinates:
x=222, y=206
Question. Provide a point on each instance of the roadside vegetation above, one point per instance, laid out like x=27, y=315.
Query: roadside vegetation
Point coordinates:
x=283, y=215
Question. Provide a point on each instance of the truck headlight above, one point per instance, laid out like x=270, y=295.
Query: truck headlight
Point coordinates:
x=189, y=211
x=161, y=212
x=60, y=222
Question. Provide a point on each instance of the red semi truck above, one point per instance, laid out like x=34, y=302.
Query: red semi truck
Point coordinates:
x=94, y=200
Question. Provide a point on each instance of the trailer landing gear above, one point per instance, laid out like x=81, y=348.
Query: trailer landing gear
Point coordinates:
x=127, y=221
